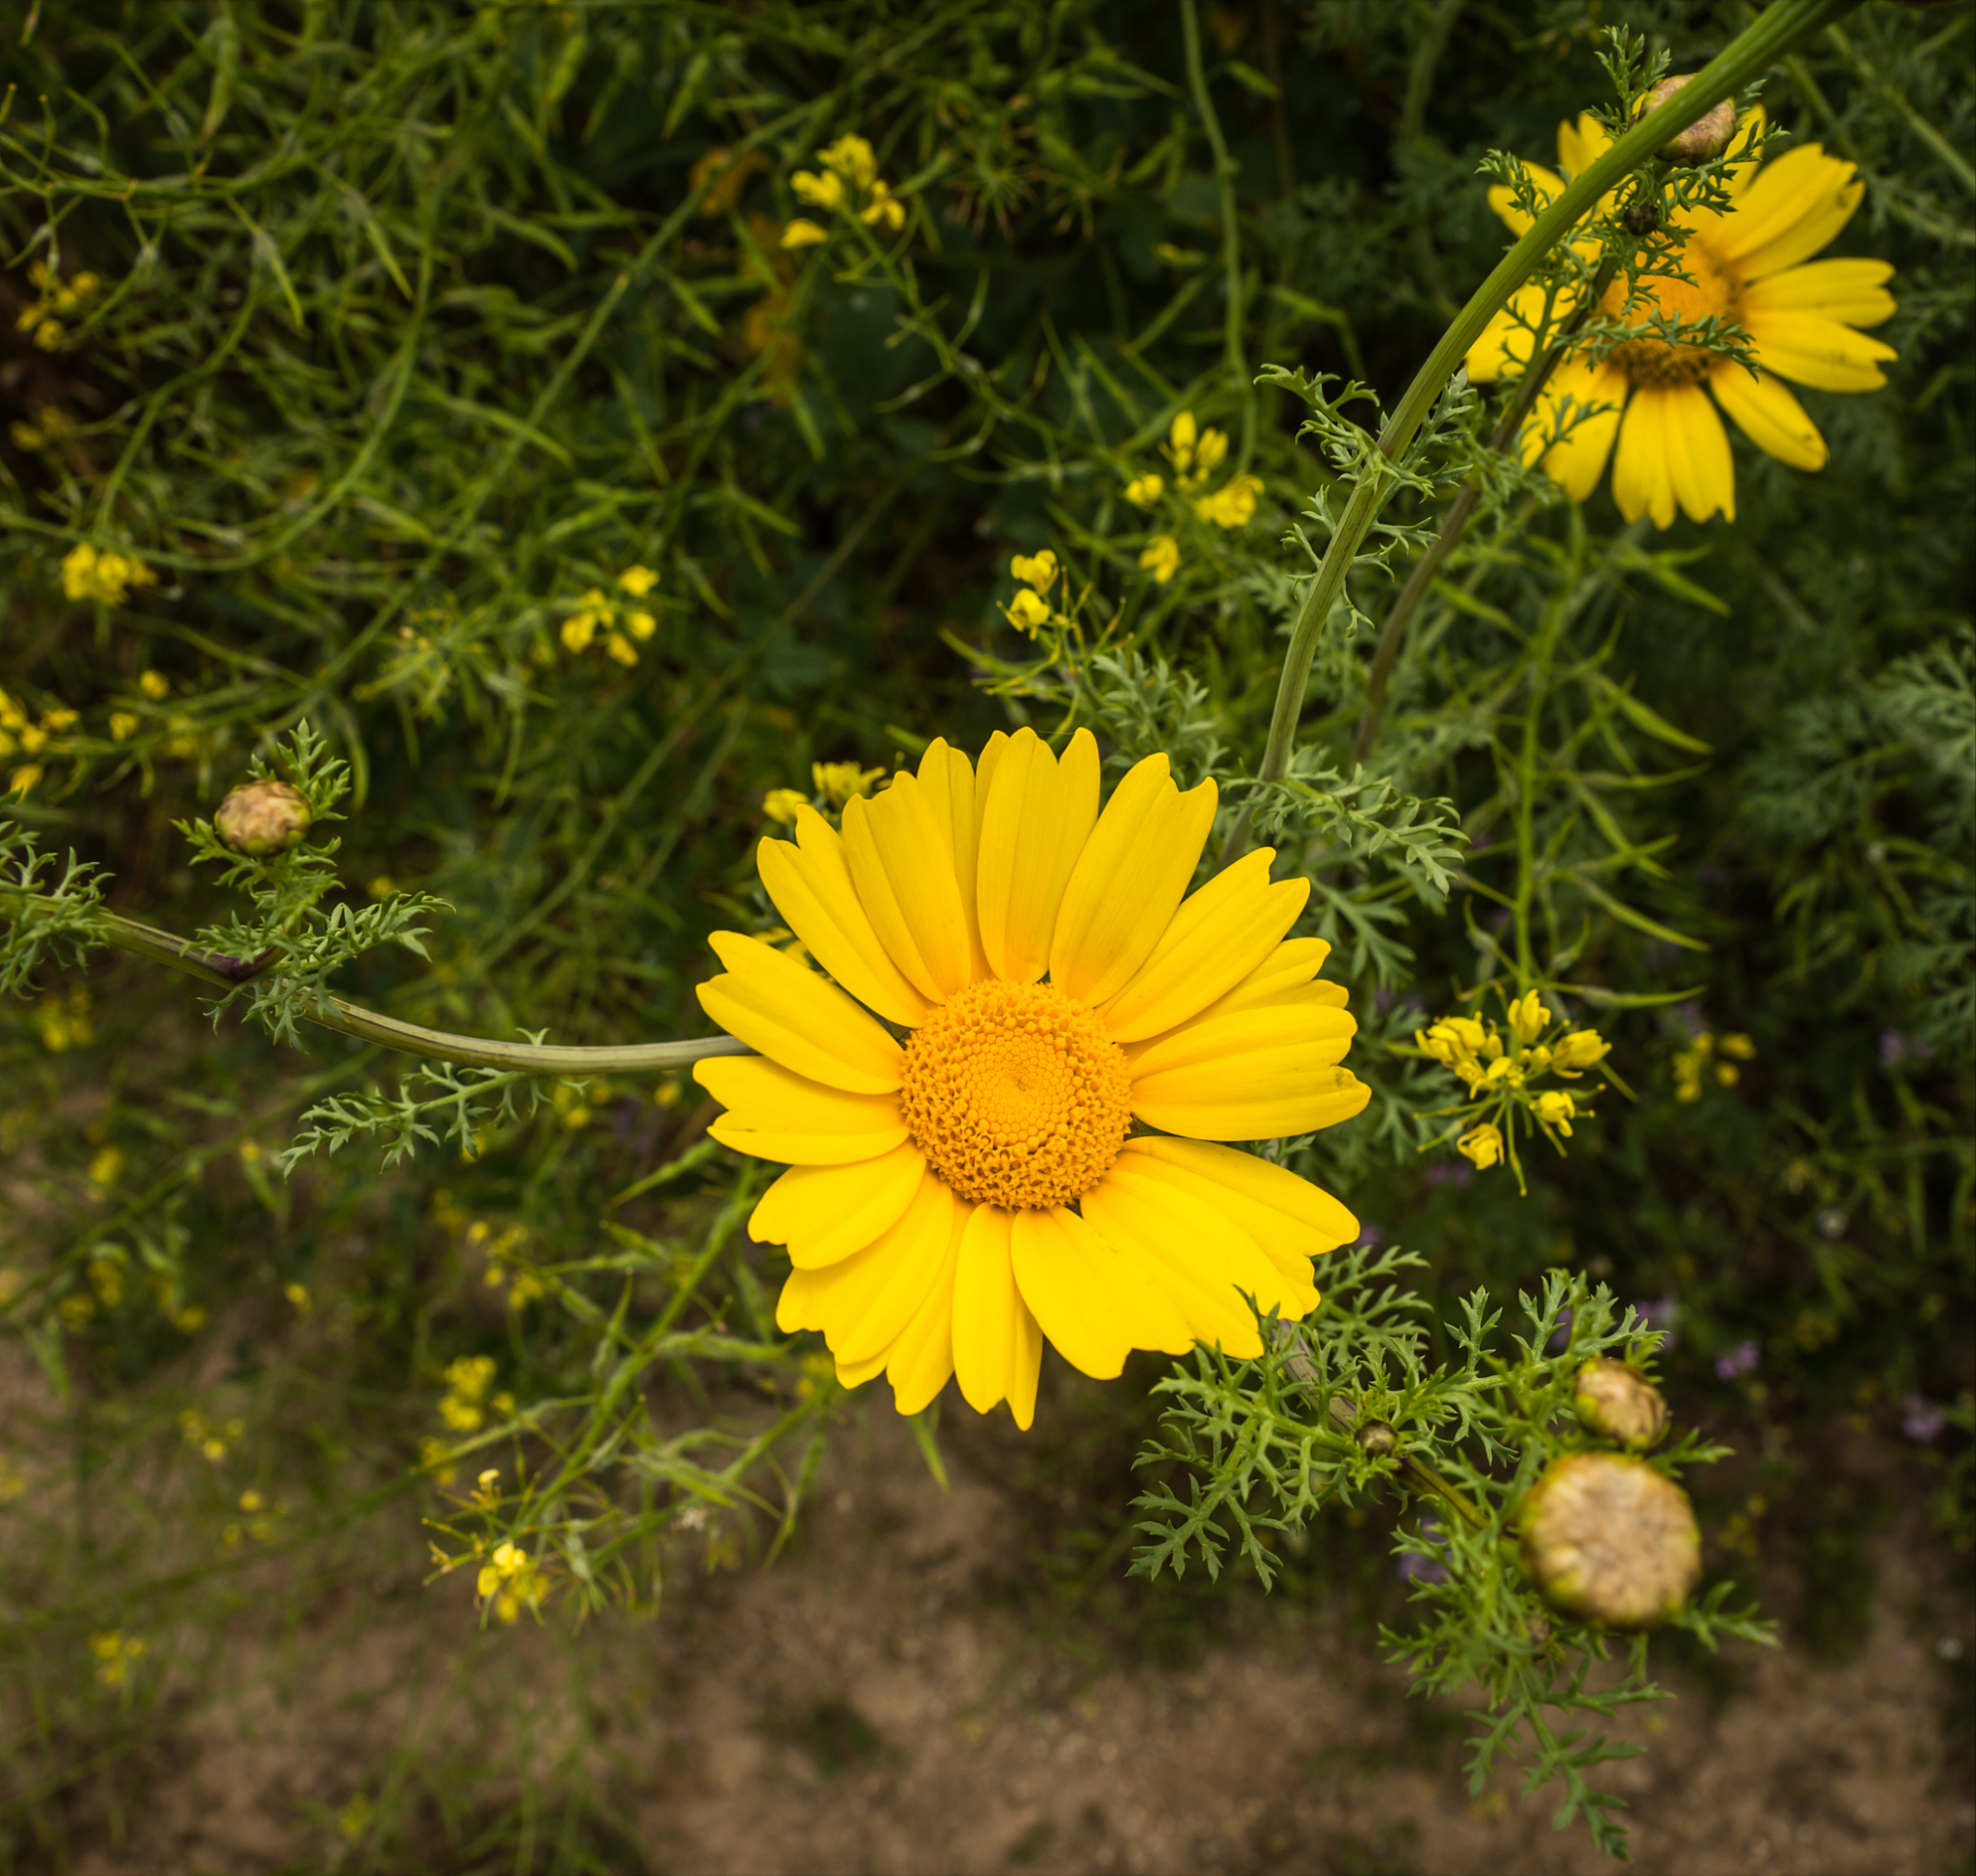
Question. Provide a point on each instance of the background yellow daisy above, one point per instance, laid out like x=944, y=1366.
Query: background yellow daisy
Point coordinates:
x=1749, y=265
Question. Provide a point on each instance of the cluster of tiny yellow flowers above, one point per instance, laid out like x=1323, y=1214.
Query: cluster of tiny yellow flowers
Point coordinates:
x=1030, y=610
x=50, y=427
x=21, y=734
x=261, y=1525
x=115, y=1652
x=835, y=784
x=215, y=1438
x=849, y=183
x=1194, y=455
x=63, y=1022
x=90, y=573
x=1498, y=1068
x=56, y=300
x=500, y=1251
x=1709, y=1054
x=466, y=1404
x=598, y=612
x=511, y=1580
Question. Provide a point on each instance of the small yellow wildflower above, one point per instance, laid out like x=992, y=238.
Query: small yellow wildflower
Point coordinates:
x=1529, y=1019
x=467, y=1381
x=1234, y=504
x=1194, y=452
x=884, y=207
x=729, y=173
x=824, y=192
x=1161, y=558
x=511, y=1580
x=837, y=782
x=105, y=1167
x=1483, y=1144
x=853, y=159
x=90, y=574
x=1144, y=490
x=1036, y=570
x=1555, y=1109
x=57, y=720
x=22, y=782
x=115, y=1652
x=638, y=581
x=298, y=1298
x=802, y=233
x=155, y=685
x=1702, y=1057
x=1028, y=610
x=780, y=804
x=1578, y=1051
x=617, y=647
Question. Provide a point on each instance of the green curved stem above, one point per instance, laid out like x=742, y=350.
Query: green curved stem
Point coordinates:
x=1770, y=38
x=350, y=1019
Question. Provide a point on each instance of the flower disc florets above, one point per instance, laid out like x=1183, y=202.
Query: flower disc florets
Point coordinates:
x=1016, y=1095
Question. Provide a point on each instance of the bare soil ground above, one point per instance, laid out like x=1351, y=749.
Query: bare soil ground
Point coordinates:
x=863, y=1707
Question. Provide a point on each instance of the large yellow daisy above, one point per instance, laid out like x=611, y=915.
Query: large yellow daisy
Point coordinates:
x=1004, y=1109
x=1748, y=265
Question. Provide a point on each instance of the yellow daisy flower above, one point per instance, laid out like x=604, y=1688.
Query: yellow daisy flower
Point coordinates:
x=1749, y=266
x=1042, y=1155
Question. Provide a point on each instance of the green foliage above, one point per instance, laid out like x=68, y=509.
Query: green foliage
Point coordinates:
x=509, y=489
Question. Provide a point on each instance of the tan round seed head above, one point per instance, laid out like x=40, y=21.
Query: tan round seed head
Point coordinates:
x=1611, y=1541
x=262, y=817
x=1707, y=137
x=1619, y=1402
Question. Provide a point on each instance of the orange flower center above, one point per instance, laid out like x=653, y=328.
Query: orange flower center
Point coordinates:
x=1654, y=361
x=1016, y=1095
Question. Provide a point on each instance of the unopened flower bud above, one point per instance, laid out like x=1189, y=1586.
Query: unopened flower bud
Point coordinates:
x=1619, y=1402
x=1611, y=1541
x=1378, y=1438
x=1707, y=137
x=262, y=817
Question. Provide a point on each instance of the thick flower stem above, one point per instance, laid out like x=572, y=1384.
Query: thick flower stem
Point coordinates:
x=1456, y=518
x=350, y=1019
x=1226, y=169
x=1777, y=32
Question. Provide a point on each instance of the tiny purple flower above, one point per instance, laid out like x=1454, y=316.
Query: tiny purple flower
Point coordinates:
x=1561, y=1336
x=1440, y=1172
x=1660, y=1314
x=1414, y=1568
x=1922, y=1420
x=1896, y=1048
x=1370, y=1236
x=1743, y=1359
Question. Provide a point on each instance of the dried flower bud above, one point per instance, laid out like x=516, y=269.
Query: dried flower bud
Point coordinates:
x=1706, y=139
x=1609, y=1540
x=1619, y=1402
x=262, y=817
x=1377, y=1438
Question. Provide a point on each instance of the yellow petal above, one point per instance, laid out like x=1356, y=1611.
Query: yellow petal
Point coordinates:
x=1035, y=819
x=1256, y=1075
x=1642, y=485
x=1577, y=462
x=997, y=1346
x=1206, y=1261
x=1816, y=350
x=1770, y=418
x=1283, y=978
x=863, y=1304
x=1549, y=186
x=1291, y=1219
x=1095, y=1300
x=1129, y=881
x=921, y=1359
x=1503, y=347
x=1218, y=937
x=1698, y=455
x=949, y=780
x=903, y=864
x=1791, y=209
x=1582, y=145
x=1854, y=292
x=824, y=1213
x=854, y=1374
x=776, y=1005
x=776, y=1114
x=810, y=885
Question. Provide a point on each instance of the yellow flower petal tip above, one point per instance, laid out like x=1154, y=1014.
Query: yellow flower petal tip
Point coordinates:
x=1653, y=407
x=1043, y=1156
